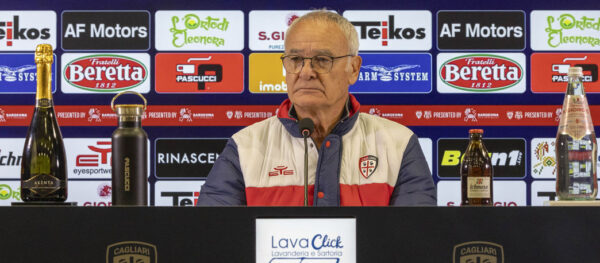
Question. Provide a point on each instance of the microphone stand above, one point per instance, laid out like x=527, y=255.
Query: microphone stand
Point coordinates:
x=305, y=135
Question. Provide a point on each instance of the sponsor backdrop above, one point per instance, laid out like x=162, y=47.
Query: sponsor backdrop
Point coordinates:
x=208, y=69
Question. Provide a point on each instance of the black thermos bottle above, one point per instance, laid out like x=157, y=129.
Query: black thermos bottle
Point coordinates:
x=129, y=155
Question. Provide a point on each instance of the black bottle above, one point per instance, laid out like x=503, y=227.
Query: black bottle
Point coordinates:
x=129, y=156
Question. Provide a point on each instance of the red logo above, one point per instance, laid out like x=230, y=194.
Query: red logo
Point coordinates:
x=200, y=73
x=281, y=170
x=291, y=18
x=104, y=190
x=95, y=159
x=549, y=71
x=105, y=73
x=367, y=165
x=481, y=72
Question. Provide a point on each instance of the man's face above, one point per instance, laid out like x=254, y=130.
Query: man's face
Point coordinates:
x=309, y=88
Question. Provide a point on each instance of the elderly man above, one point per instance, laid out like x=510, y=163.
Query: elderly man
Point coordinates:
x=355, y=159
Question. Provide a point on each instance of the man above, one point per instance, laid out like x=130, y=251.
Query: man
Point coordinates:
x=355, y=159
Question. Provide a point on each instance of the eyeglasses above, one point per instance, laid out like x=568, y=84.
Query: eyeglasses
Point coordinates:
x=321, y=64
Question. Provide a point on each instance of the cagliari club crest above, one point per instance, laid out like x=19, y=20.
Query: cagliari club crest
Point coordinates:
x=131, y=252
x=478, y=252
x=367, y=165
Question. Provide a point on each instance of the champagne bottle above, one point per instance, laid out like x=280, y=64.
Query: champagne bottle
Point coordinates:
x=476, y=173
x=44, y=167
x=576, y=147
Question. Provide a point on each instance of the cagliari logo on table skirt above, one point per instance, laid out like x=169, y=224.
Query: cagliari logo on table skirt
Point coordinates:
x=478, y=251
x=131, y=251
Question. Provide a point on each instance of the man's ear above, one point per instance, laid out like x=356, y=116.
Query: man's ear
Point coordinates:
x=355, y=63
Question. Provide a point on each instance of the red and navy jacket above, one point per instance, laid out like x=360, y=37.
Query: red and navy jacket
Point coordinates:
x=366, y=160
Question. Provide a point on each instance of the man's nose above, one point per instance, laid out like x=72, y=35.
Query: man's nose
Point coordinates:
x=307, y=69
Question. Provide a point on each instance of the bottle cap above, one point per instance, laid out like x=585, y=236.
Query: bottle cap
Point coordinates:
x=43, y=54
x=476, y=131
x=576, y=71
x=128, y=109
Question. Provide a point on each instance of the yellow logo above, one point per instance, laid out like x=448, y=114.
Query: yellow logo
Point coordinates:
x=131, y=252
x=478, y=252
x=266, y=73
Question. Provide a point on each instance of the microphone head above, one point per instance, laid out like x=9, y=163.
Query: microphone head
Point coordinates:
x=306, y=126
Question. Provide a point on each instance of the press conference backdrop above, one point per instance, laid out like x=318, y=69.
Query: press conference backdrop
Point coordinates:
x=210, y=68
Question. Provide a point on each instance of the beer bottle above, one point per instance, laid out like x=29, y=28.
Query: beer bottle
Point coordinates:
x=476, y=173
x=44, y=167
x=576, y=148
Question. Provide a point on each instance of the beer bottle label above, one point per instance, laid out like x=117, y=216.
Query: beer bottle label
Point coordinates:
x=576, y=120
x=478, y=187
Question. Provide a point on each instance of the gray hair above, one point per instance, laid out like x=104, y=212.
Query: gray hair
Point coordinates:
x=323, y=15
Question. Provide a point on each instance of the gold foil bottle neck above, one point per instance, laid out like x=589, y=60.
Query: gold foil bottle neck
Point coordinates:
x=43, y=54
x=43, y=61
x=575, y=72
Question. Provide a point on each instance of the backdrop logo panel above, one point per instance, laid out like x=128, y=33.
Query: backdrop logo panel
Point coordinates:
x=177, y=193
x=427, y=147
x=106, y=30
x=506, y=193
x=394, y=73
x=88, y=158
x=481, y=30
x=543, y=158
x=481, y=73
x=10, y=191
x=11, y=155
x=267, y=74
x=392, y=30
x=199, y=73
x=199, y=30
x=542, y=191
x=187, y=158
x=90, y=193
x=549, y=71
x=105, y=73
x=565, y=30
x=24, y=30
x=18, y=73
x=508, y=157
x=267, y=28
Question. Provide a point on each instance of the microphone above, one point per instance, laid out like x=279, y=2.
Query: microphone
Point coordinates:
x=306, y=126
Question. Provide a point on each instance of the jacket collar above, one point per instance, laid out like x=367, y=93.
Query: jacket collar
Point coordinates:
x=288, y=117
